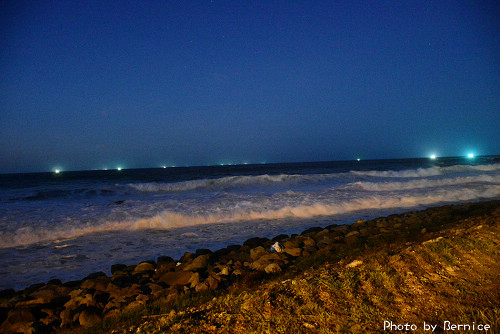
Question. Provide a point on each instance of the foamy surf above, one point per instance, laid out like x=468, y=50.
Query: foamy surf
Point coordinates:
x=67, y=226
x=171, y=220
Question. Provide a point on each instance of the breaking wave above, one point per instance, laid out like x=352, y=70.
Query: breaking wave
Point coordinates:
x=168, y=219
x=232, y=182
x=423, y=183
x=427, y=172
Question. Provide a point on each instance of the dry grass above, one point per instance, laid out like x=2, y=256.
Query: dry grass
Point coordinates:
x=455, y=278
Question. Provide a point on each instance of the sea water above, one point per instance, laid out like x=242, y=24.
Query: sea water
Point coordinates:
x=70, y=224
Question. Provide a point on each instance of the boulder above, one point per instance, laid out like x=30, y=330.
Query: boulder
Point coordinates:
x=88, y=317
x=257, y=252
x=272, y=268
x=176, y=278
x=198, y=263
x=254, y=242
x=144, y=267
x=295, y=252
x=277, y=247
x=118, y=267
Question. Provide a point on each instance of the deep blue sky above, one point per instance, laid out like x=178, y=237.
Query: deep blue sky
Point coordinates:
x=94, y=84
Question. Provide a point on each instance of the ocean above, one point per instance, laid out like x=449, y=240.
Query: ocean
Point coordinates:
x=67, y=225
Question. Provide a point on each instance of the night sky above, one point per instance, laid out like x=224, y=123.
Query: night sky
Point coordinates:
x=101, y=84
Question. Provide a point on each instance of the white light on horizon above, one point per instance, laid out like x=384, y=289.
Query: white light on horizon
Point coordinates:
x=433, y=157
x=119, y=168
x=470, y=156
x=57, y=171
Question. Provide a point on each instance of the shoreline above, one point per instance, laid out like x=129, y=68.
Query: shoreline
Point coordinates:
x=86, y=302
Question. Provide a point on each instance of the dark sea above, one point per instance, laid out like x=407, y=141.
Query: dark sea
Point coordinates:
x=70, y=224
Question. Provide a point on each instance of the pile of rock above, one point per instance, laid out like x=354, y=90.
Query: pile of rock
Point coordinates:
x=44, y=307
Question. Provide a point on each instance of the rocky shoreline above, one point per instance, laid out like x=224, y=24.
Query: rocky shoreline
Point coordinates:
x=45, y=308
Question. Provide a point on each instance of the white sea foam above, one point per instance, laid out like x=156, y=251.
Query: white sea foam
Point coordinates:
x=423, y=183
x=228, y=182
x=427, y=172
x=169, y=220
x=232, y=182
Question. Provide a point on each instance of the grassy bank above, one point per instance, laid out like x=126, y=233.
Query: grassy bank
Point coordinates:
x=420, y=268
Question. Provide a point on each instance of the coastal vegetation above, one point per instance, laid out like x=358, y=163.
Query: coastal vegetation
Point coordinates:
x=430, y=269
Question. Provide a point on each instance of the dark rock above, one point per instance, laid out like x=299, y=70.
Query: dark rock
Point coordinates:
x=272, y=268
x=123, y=280
x=7, y=293
x=72, y=284
x=227, y=250
x=164, y=259
x=118, y=267
x=32, y=288
x=312, y=230
x=55, y=281
x=198, y=263
x=144, y=267
x=254, y=242
x=95, y=275
x=89, y=316
x=280, y=237
x=58, y=301
x=186, y=257
x=3, y=313
x=176, y=278
x=202, y=251
x=101, y=298
x=257, y=252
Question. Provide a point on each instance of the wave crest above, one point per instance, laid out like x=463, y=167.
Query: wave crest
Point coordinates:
x=169, y=220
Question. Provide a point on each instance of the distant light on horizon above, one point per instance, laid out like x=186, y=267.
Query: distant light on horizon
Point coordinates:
x=57, y=171
x=470, y=156
x=433, y=157
x=119, y=169
x=358, y=159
